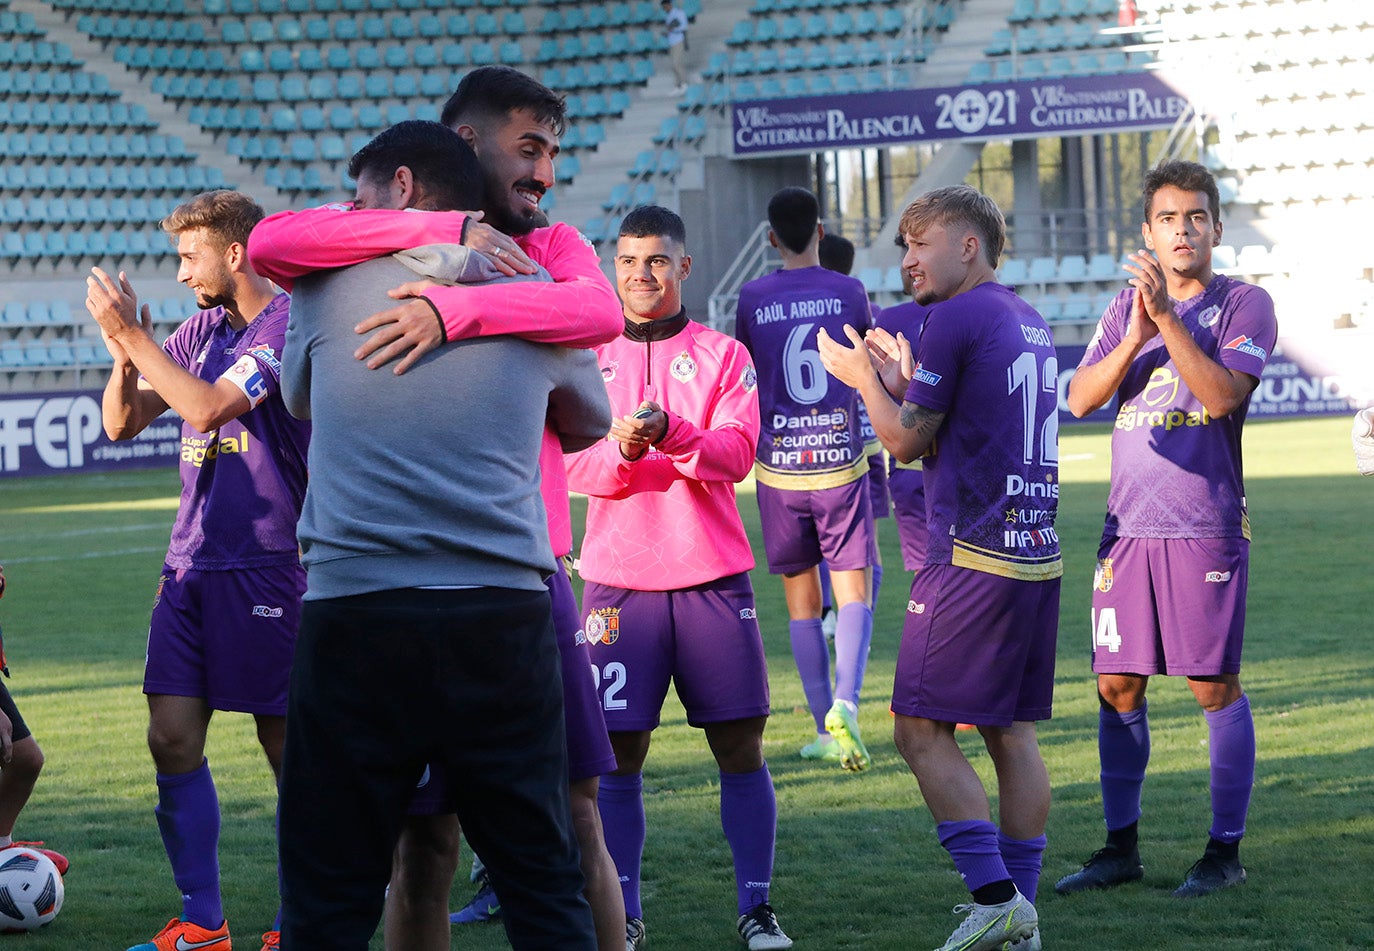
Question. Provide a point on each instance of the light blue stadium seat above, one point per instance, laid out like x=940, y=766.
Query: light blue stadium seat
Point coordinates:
x=511, y=53
x=795, y=86
x=793, y=59
x=1051, y=308
x=619, y=196
x=454, y=54
x=457, y=25
x=668, y=130
x=567, y=168
x=396, y=112
x=1073, y=268
x=1043, y=269
x=376, y=86
x=483, y=54
x=369, y=117
x=594, y=230
x=374, y=28
x=1013, y=272
x=405, y=86
x=283, y=120
x=433, y=86
x=742, y=33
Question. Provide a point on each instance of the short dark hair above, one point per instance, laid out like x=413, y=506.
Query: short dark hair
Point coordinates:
x=445, y=167
x=491, y=93
x=1187, y=176
x=837, y=253
x=654, y=221
x=228, y=215
x=793, y=214
x=959, y=204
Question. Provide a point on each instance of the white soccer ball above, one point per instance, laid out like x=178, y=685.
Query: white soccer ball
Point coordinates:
x=31, y=890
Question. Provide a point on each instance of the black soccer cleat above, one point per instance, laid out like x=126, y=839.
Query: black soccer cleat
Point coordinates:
x=1106, y=869
x=1211, y=873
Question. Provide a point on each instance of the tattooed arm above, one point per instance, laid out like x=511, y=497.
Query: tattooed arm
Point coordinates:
x=917, y=438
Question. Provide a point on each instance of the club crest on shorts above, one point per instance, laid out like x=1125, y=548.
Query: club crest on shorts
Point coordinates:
x=603, y=626
x=1102, y=577
x=683, y=368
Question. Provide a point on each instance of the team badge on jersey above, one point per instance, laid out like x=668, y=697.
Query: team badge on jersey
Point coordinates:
x=608, y=371
x=683, y=368
x=1209, y=316
x=1102, y=577
x=603, y=626
x=749, y=379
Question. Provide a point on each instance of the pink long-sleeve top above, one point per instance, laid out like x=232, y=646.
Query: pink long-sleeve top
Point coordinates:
x=668, y=520
x=578, y=309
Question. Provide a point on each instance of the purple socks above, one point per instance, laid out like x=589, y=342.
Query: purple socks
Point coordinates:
x=853, y=632
x=972, y=843
x=188, y=817
x=1023, y=858
x=813, y=663
x=1123, y=746
x=621, y=803
x=749, y=817
x=1231, y=740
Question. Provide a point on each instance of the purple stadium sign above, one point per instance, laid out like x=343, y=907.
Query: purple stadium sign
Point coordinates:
x=1075, y=105
x=51, y=433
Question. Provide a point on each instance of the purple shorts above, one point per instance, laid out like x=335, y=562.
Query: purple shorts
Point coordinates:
x=225, y=636
x=977, y=648
x=589, y=745
x=907, y=487
x=704, y=639
x=877, y=486
x=803, y=527
x=1170, y=606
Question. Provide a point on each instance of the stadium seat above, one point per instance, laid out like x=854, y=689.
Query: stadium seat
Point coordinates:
x=1043, y=269
x=1073, y=268
x=1013, y=272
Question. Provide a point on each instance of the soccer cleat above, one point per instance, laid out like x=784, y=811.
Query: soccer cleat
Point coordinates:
x=842, y=726
x=1211, y=873
x=184, y=936
x=271, y=941
x=57, y=858
x=759, y=929
x=634, y=935
x=1011, y=926
x=821, y=748
x=484, y=906
x=1105, y=869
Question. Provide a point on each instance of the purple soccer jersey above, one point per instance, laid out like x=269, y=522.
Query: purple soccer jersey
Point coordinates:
x=810, y=436
x=986, y=360
x=1176, y=471
x=241, y=486
x=905, y=482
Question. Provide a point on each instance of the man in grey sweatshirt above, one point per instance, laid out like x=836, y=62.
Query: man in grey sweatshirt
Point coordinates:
x=426, y=634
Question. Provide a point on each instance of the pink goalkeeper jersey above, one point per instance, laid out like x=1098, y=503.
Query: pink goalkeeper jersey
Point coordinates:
x=578, y=309
x=668, y=520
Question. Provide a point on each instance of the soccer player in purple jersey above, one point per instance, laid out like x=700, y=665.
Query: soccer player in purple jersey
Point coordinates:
x=224, y=620
x=978, y=643
x=1181, y=349
x=810, y=467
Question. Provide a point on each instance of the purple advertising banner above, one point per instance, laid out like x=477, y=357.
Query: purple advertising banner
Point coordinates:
x=1298, y=380
x=50, y=433
x=1074, y=105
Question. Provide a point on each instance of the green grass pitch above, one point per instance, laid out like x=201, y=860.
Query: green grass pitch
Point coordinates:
x=858, y=865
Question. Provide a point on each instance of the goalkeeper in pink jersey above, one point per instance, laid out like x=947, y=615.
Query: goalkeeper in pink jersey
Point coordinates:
x=667, y=563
